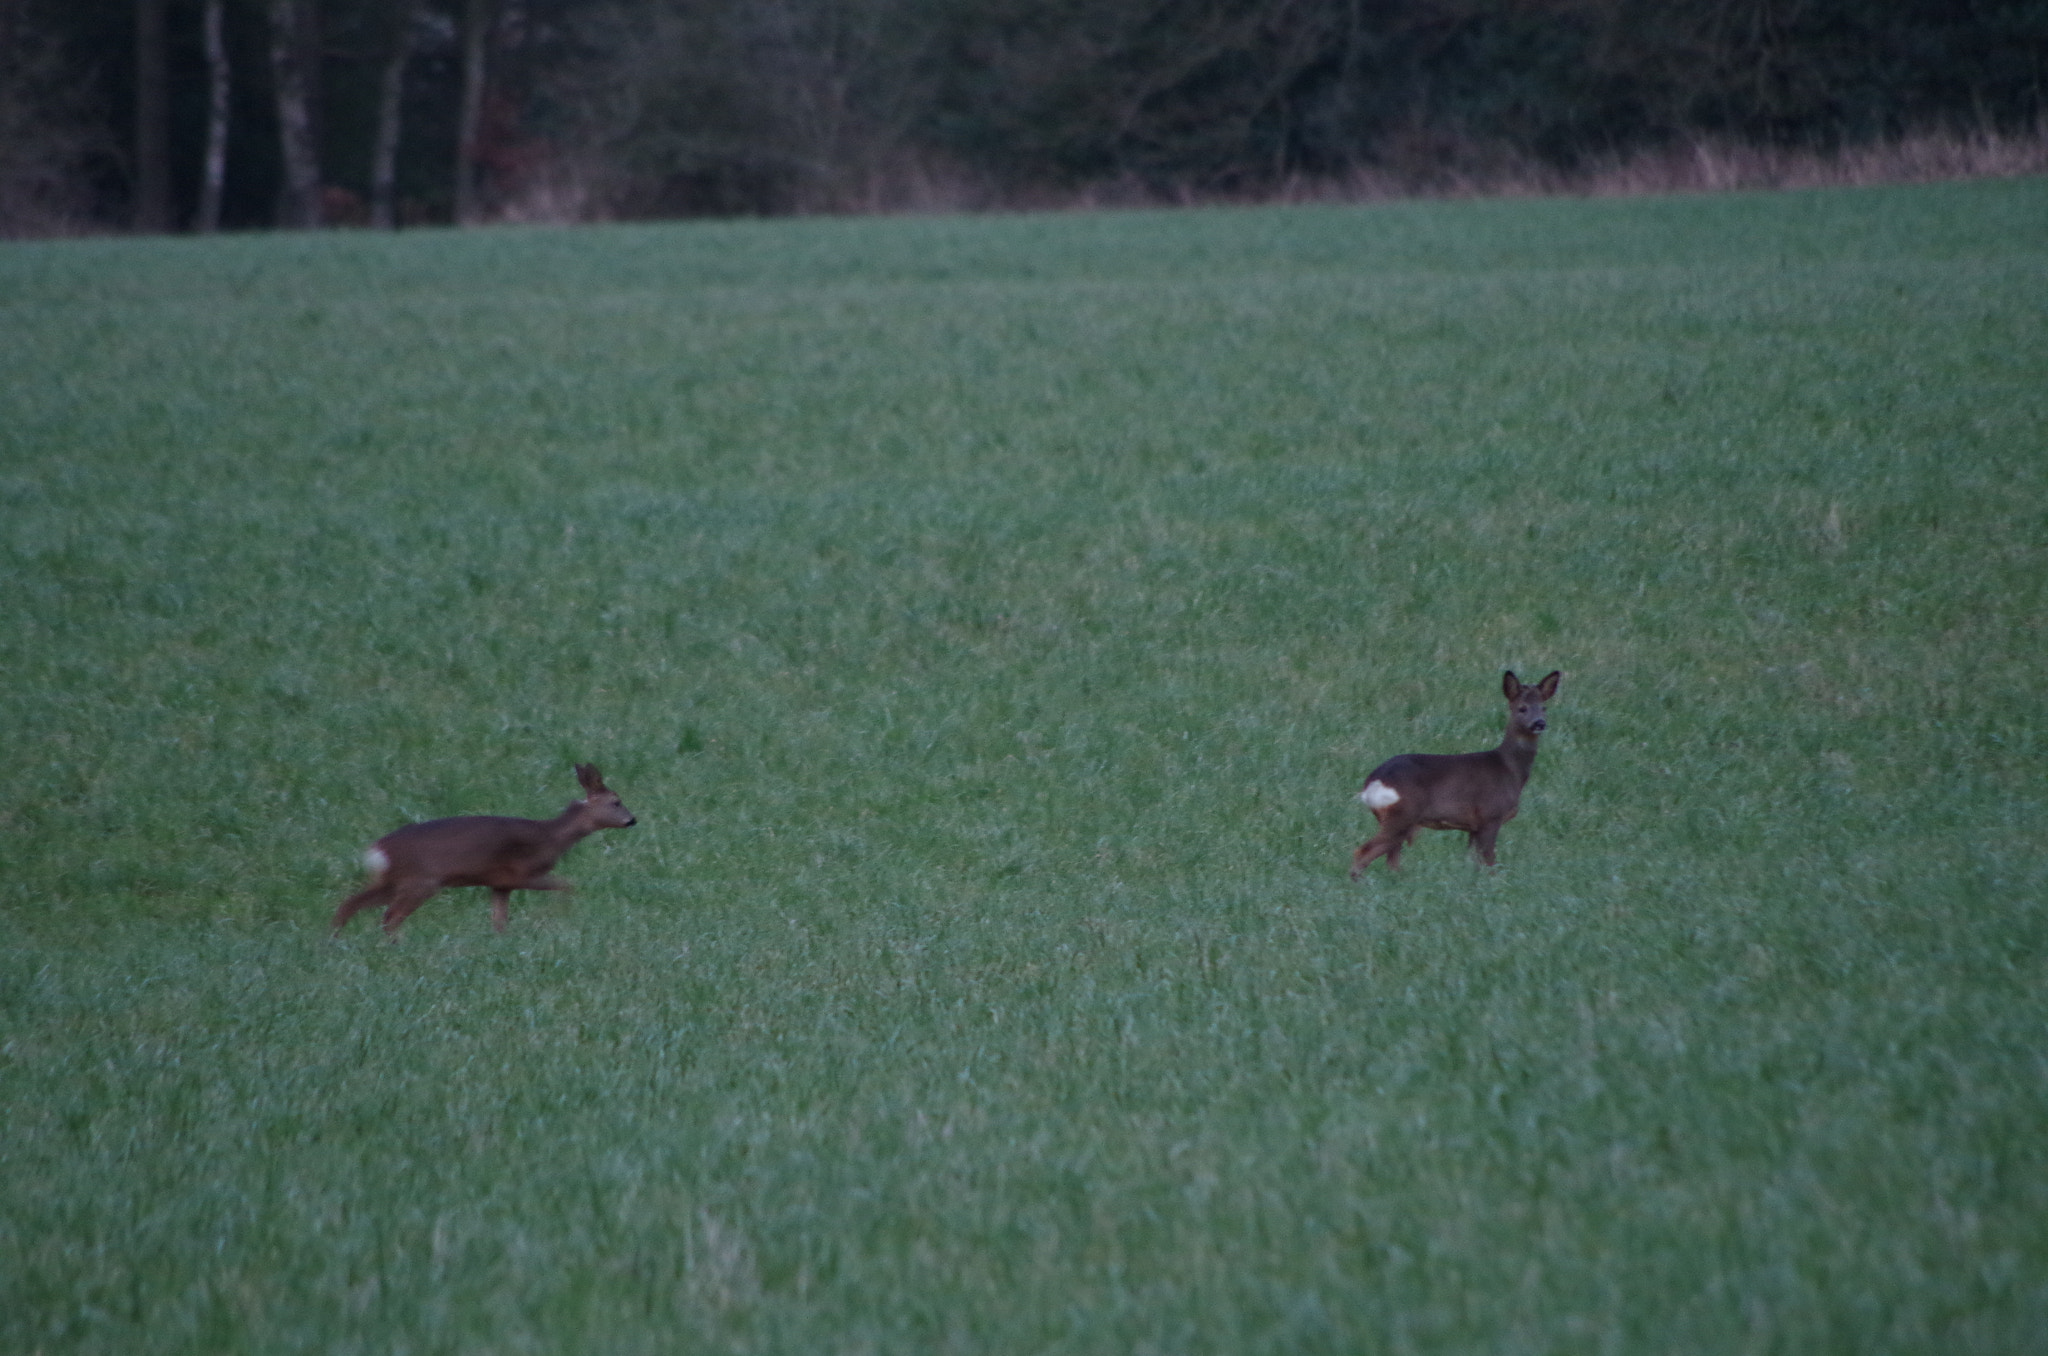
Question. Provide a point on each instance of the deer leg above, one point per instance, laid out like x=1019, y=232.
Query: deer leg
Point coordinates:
x=356, y=903
x=1482, y=843
x=501, y=909
x=1395, y=834
x=1384, y=844
x=405, y=899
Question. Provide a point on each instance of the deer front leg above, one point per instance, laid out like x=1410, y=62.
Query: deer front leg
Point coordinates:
x=501, y=909
x=1394, y=852
x=1482, y=844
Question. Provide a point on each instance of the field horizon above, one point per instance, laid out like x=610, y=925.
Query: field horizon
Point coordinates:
x=991, y=621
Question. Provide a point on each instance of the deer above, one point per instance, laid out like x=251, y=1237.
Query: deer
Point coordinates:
x=1475, y=792
x=410, y=865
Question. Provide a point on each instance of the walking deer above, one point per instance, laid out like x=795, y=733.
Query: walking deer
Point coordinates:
x=1476, y=792
x=502, y=854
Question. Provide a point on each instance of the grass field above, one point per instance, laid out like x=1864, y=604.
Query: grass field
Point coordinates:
x=990, y=621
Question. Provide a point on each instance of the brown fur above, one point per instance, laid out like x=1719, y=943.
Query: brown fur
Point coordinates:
x=1474, y=792
x=499, y=853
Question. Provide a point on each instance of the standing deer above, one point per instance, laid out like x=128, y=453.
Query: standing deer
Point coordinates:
x=500, y=853
x=1476, y=792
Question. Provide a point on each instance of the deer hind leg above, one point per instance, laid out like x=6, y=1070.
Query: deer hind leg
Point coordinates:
x=501, y=909
x=357, y=902
x=1394, y=852
x=1387, y=843
x=404, y=899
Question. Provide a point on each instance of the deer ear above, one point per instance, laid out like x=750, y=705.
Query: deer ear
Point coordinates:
x=1510, y=686
x=589, y=778
x=1548, y=687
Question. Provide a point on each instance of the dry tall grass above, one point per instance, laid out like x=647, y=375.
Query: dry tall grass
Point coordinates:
x=1925, y=157
x=1448, y=169
x=39, y=196
x=1433, y=166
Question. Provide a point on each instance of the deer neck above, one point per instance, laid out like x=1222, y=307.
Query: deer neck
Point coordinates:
x=1518, y=751
x=569, y=827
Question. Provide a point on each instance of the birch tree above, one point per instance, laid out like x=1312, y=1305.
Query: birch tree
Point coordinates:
x=213, y=171
x=293, y=63
x=390, y=108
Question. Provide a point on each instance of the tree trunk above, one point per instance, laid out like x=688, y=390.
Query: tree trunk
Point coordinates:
x=292, y=58
x=390, y=104
x=214, y=173
x=152, y=119
x=476, y=23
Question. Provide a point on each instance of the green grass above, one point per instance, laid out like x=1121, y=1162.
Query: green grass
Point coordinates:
x=990, y=620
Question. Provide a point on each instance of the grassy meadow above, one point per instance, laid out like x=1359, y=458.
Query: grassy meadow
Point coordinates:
x=990, y=621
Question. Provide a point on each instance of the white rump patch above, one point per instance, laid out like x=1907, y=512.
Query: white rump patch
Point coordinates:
x=1378, y=794
x=376, y=860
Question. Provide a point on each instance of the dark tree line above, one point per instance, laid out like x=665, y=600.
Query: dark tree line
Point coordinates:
x=198, y=114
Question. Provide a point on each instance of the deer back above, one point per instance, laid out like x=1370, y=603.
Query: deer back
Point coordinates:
x=477, y=849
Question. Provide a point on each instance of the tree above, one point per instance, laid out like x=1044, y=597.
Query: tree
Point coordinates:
x=390, y=107
x=213, y=171
x=51, y=133
x=294, y=62
x=1198, y=92
x=477, y=17
x=112, y=111
x=152, y=119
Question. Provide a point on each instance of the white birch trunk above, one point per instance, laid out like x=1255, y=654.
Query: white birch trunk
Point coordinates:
x=289, y=58
x=390, y=107
x=213, y=175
